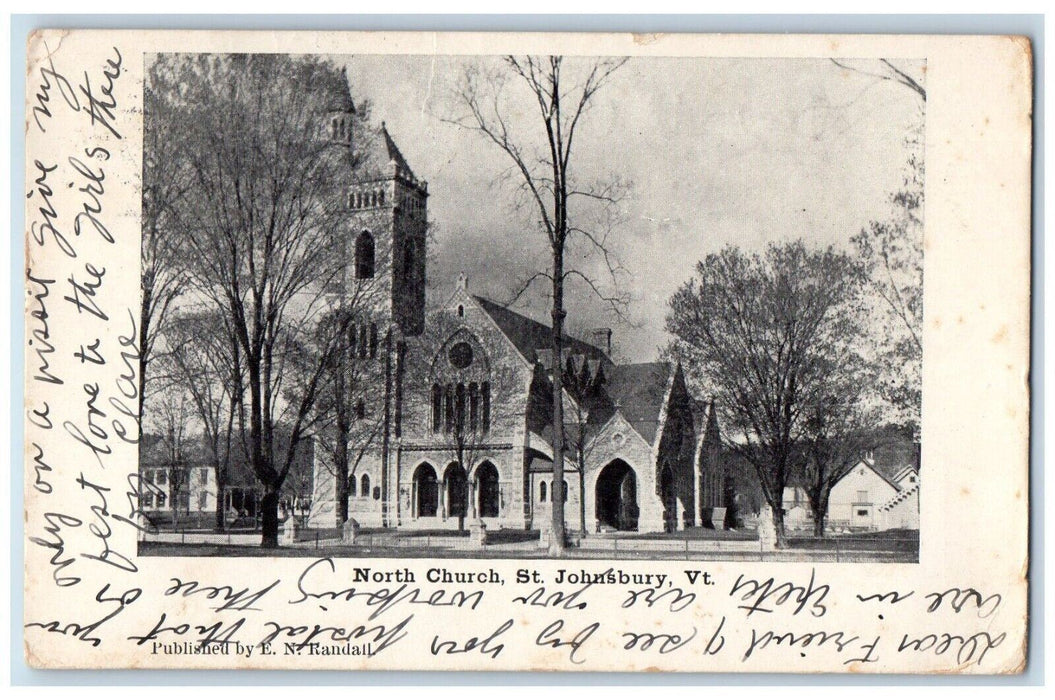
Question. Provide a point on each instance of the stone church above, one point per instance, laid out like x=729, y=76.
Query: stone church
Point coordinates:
x=452, y=396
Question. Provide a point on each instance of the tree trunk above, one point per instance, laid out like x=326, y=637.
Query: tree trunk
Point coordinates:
x=269, y=520
x=341, y=470
x=818, y=525
x=556, y=547
x=221, y=511
x=819, y=506
x=582, y=496
x=778, y=526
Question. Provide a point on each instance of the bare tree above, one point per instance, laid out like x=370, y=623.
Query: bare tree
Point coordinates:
x=207, y=365
x=760, y=331
x=174, y=416
x=543, y=171
x=839, y=428
x=263, y=229
x=583, y=386
x=346, y=431
x=892, y=250
x=166, y=180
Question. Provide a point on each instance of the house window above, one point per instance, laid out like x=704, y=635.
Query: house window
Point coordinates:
x=542, y=491
x=862, y=513
x=862, y=496
x=201, y=500
x=912, y=480
x=364, y=256
x=205, y=476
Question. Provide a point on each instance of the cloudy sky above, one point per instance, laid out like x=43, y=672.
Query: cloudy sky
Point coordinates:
x=719, y=152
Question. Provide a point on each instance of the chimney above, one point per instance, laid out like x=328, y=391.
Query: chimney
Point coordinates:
x=602, y=338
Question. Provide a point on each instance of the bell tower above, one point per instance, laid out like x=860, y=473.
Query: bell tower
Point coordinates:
x=387, y=209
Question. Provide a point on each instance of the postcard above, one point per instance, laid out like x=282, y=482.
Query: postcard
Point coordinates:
x=462, y=351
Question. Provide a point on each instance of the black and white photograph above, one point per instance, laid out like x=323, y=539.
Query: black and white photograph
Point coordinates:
x=527, y=352
x=532, y=306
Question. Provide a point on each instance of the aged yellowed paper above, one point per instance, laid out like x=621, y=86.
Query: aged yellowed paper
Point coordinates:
x=456, y=351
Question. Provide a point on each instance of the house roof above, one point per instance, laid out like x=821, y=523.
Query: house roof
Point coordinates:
x=533, y=338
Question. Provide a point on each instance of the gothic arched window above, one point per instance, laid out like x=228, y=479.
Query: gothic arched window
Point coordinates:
x=437, y=408
x=352, y=487
x=364, y=256
x=459, y=407
x=485, y=406
x=542, y=491
x=408, y=260
x=373, y=340
x=365, y=486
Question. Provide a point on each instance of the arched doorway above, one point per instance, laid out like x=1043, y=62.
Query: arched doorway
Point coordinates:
x=617, y=496
x=669, y=496
x=454, y=490
x=425, y=491
x=487, y=490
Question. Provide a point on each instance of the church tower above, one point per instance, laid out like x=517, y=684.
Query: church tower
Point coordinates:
x=387, y=213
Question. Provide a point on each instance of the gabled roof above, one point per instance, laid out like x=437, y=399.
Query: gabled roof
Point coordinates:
x=532, y=338
x=903, y=473
x=870, y=464
x=637, y=392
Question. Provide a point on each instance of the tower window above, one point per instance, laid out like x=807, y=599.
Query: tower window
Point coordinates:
x=373, y=340
x=461, y=311
x=364, y=256
x=360, y=409
x=542, y=491
x=363, y=341
x=408, y=260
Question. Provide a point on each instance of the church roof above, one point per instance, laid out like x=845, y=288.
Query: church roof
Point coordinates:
x=379, y=151
x=637, y=392
x=394, y=154
x=533, y=338
x=341, y=98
